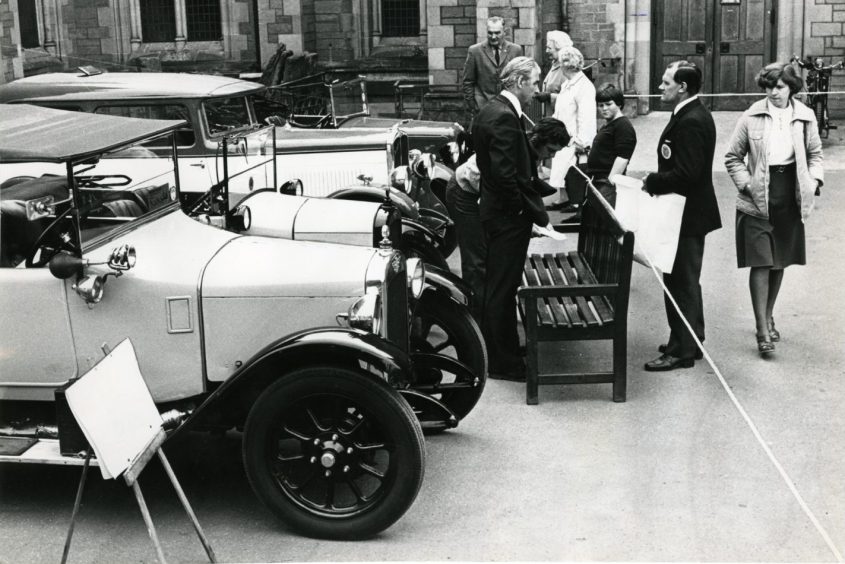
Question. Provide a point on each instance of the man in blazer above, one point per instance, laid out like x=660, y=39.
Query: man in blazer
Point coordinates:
x=508, y=207
x=484, y=62
x=684, y=166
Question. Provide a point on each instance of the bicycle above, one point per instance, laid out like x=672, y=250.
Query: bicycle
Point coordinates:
x=818, y=84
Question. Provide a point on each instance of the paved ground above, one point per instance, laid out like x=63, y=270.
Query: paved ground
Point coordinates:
x=674, y=474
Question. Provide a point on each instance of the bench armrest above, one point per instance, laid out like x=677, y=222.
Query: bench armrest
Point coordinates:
x=566, y=290
x=567, y=227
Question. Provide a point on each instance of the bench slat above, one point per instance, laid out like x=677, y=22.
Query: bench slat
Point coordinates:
x=603, y=307
x=565, y=271
x=535, y=278
x=558, y=303
x=583, y=309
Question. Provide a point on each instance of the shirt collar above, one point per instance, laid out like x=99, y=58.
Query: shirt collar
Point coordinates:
x=514, y=102
x=684, y=103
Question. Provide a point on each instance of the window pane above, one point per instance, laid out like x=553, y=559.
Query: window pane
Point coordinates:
x=400, y=18
x=203, y=17
x=184, y=137
x=223, y=114
x=29, y=24
x=158, y=20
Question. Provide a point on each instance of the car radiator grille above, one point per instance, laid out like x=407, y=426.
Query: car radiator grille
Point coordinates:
x=396, y=304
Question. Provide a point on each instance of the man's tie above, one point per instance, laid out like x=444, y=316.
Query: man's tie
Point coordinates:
x=496, y=53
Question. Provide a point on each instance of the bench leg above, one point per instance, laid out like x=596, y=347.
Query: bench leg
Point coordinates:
x=532, y=378
x=620, y=367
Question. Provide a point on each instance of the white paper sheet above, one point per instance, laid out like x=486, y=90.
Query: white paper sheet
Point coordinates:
x=546, y=232
x=655, y=221
x=115, y=410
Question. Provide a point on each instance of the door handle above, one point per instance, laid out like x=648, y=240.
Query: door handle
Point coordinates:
x=724, y=47
x=200, y=165
x=700, y=48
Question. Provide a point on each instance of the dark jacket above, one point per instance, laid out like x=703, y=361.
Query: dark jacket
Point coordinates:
x=685, y=166
x=507, y=164
x=481, y=75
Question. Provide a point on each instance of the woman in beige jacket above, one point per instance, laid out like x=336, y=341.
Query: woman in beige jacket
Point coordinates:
x=776, y=184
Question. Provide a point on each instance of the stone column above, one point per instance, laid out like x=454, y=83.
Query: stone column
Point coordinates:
x=48, y=16
x=376, y=22
x=423, y=21
x=134, y=25
x=181, y=25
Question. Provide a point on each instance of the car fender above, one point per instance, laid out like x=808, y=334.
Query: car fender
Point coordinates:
x=337, y=346
x=376, y=194
x=440, y=280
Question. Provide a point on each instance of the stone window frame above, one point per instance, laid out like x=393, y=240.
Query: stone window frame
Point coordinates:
x=181, y=40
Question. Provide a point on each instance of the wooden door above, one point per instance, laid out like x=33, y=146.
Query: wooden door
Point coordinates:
x=730, y=40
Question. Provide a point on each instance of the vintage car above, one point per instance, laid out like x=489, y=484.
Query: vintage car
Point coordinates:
x=230, y=330
x=349, y=163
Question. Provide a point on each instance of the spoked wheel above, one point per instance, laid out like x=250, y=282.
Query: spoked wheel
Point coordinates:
x=440, y=326
x=333, y=453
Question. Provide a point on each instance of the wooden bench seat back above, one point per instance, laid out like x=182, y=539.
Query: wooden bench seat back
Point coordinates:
x=604, y=243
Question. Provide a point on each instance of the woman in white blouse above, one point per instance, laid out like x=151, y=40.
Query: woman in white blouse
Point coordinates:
x=575, y=106
x=555, y=41
x=780, y=138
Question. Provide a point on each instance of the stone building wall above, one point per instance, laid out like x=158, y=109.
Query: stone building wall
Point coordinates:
x=824, y=35
x=11, y=64
x=89, y=27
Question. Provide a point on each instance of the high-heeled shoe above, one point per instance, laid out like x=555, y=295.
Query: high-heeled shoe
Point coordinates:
x=765, y=346
x=773, y=333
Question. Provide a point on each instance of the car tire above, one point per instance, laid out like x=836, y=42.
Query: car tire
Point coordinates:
x=436, y=321
x=333, y=453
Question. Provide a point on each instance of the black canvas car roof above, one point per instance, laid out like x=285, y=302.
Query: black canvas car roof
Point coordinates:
x=32, y=133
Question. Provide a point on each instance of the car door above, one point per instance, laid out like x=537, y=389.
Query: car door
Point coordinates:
x=36, y=343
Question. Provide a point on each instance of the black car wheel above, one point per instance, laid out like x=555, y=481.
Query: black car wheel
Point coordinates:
x=333, y=453
x=441, y=326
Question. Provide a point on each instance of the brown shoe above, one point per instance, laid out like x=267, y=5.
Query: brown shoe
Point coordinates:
x=667, y=362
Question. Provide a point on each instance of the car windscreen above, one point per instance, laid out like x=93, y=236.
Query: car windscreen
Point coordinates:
x=225, y=114
x=184, y=137
x=121, y=187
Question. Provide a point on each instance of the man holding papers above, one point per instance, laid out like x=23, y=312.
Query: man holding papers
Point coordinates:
x=685, y=165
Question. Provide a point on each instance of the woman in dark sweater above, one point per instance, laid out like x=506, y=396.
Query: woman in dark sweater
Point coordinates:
x=614, y=143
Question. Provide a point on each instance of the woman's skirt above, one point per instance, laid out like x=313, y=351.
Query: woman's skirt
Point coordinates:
x=776, y=242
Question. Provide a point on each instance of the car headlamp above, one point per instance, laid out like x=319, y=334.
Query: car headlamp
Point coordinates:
x=416, y=276
x=400, y=178
x=365, y=313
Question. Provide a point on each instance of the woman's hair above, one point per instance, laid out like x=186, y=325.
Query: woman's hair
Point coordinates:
x=771, y=73
x=560, y=39
x=549, y=130
x=571, y=58
x=608, y=92
x=518, y=67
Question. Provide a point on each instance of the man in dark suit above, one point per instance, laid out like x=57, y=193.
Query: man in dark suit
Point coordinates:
x=684, y=166
x=484, y=62
x=509, y=205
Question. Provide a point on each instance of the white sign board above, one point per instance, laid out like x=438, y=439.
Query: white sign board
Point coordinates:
x=115, y=410
x=655, y=221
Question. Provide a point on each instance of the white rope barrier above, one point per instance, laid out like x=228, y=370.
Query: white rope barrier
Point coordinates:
x=757, y=435
x=739, y=94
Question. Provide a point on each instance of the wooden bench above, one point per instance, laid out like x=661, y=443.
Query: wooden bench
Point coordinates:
x=580, y=295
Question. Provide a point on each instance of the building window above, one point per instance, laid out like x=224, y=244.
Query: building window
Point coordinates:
x=158, y=20
x=203, y=18
x=28, y=19
x=400, y=18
